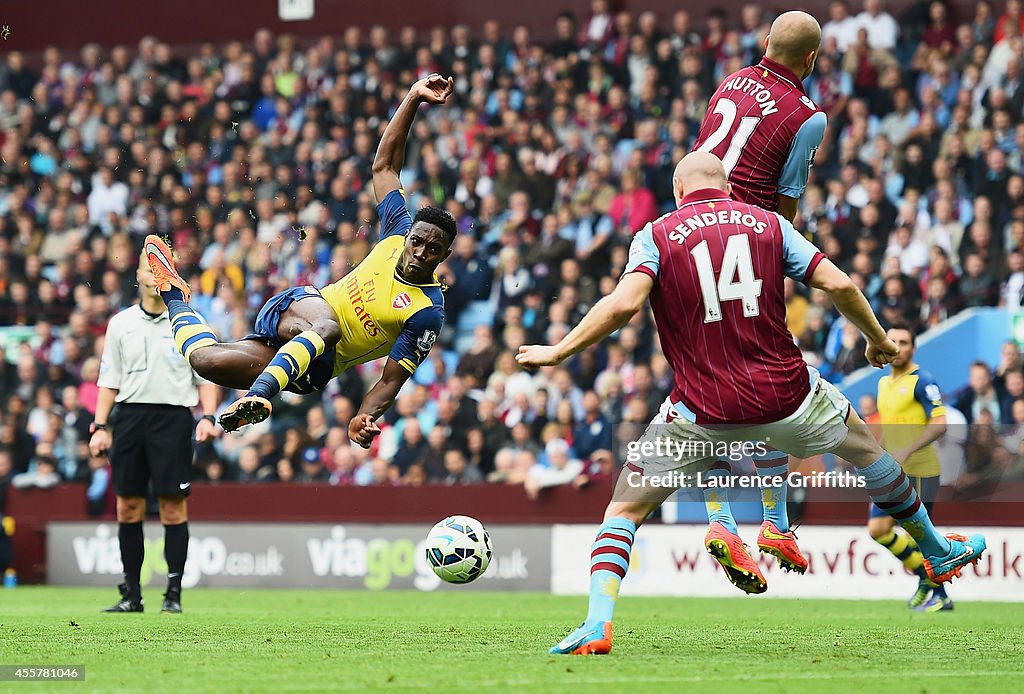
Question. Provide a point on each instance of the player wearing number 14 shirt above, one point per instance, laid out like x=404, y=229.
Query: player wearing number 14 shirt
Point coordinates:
x=765, y=129
x=713, y=270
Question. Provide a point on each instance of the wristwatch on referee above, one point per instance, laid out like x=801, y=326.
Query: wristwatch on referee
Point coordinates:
x=95, y=426
x=210, y=418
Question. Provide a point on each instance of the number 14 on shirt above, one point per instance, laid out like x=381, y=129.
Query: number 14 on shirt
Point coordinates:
x=736, y=280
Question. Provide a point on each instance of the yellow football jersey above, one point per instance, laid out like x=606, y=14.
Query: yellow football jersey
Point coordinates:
x=381, y=314
x=905, y=405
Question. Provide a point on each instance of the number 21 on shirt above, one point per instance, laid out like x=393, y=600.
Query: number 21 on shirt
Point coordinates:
x=727, y=110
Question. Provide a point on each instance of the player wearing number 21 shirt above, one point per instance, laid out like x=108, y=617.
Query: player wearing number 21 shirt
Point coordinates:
x=765, y=129
x=761, y=123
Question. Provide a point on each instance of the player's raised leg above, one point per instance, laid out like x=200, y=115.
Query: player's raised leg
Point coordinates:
x=190, y=333
x=890, y=489
x=887, y=484
x=775, y=537
x=311, y=328
x=722, y=540
x=630, y=506
x=829, y=424
x=232, y=365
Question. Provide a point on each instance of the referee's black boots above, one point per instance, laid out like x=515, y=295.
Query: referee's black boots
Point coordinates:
x=131, y=601
x=172, y=601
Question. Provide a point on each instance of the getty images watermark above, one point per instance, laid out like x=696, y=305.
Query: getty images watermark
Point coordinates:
x=666, y=450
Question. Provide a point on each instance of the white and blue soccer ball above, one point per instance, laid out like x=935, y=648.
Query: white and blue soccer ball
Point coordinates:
x=458, y=549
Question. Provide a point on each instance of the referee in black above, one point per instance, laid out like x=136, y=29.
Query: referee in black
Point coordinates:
x=149, y=434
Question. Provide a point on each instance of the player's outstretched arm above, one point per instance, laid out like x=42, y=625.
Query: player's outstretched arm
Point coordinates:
x=387, y=164
x=363, y=427
x=851, y=302
x=608, y=315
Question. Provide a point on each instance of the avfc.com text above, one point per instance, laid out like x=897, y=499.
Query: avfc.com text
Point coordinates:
x=853, y=557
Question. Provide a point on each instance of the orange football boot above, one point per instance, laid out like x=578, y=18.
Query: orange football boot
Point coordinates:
x=782, y=546
x=728, y=549
x=161, y=264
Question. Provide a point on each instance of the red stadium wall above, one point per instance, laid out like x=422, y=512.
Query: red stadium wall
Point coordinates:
x=32, y=509
x=72, y=23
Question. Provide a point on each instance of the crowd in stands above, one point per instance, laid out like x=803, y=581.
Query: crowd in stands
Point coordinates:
x=254, y=160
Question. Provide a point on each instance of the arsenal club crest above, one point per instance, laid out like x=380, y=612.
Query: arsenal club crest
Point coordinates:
x=401, y=301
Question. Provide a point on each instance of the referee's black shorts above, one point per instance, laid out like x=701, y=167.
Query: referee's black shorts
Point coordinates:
x=151, y=445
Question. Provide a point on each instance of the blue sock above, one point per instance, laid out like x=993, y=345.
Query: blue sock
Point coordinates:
x=609, y=561
x=773, y=499
x=189, y=331
x=716, y=499
x=172, y=294
x=892, y=492
x=288, y=365
x=939, y=591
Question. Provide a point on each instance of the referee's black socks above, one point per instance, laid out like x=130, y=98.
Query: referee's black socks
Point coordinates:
x=175, y=551
x=133, y=549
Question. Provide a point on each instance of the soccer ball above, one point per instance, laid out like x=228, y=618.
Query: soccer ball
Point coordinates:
x=459, y=549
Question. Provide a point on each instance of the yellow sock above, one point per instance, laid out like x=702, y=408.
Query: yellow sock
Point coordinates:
x=190, y=333
x=905, y=549
x=289, y=364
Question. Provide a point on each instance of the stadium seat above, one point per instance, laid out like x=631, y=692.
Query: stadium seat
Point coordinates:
x=476, y=313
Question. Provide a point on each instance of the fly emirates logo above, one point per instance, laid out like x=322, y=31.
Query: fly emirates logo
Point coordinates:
x=360, y=296
x=706, y=219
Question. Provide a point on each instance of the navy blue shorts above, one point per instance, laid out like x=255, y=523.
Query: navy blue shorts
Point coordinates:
x=321, y=371
x=927, y=488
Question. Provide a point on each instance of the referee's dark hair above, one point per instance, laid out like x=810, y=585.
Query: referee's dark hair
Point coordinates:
x=903, y=325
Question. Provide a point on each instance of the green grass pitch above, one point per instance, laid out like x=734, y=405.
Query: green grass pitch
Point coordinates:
x=319, y=641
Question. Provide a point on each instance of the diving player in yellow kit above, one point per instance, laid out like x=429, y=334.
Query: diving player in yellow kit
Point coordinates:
x=912, y=415
x=390, y=305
